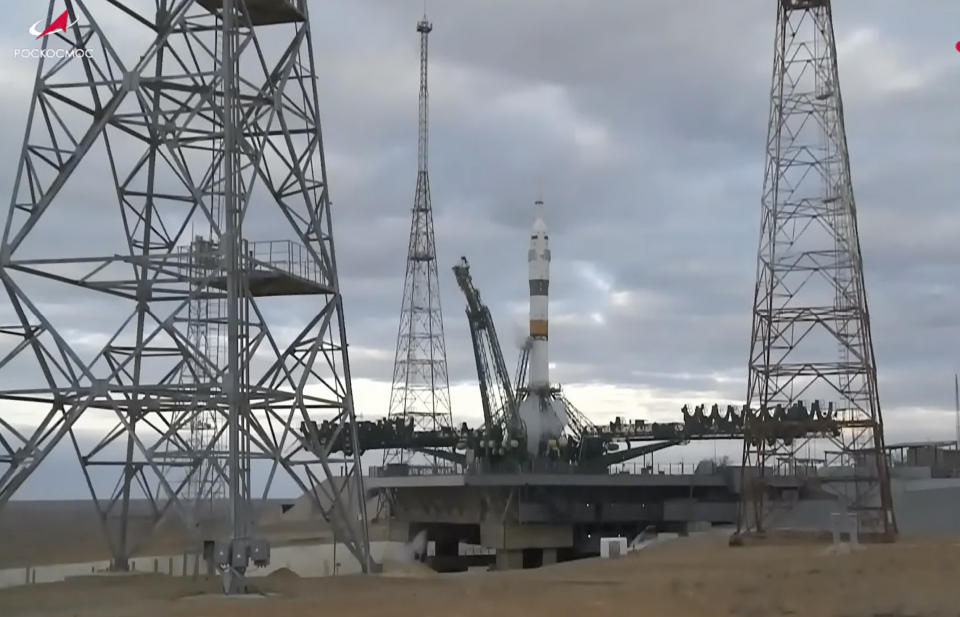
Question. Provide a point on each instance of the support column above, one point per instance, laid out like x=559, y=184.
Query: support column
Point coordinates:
x=509, y=559
x=549, y=556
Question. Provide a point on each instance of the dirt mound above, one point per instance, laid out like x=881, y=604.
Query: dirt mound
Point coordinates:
x=281, y=575
x=780, y=537
x=407, y=569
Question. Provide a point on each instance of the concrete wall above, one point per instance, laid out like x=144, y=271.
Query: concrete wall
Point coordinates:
x=927, y=507
x=912, y=472
x=447, y=505
x=941, y=461
x=526, y=536
x=685, y=510
x=631, y=512
x=923, y=507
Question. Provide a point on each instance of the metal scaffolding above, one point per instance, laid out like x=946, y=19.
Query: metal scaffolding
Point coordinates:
x=811, y=327
x=158, y=113
x=206, y=486
x=421, y=392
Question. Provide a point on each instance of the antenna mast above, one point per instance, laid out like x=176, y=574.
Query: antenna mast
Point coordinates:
x=956, y=402
x=421, y=392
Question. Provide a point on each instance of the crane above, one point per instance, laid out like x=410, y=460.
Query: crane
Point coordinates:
x=498, y=396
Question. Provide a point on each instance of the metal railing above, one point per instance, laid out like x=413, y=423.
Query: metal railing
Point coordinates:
x=285, y=256
x=546, y=467
x=203, y=259
x=653, y=469
x=394, y=471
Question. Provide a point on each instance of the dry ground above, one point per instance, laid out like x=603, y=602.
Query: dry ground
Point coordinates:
x=695, y=577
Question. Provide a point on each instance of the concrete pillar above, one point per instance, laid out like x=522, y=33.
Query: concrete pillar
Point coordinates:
x=508, y=559
x=549, y=556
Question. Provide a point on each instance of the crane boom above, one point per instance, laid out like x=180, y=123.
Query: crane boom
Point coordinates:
x=496, y=392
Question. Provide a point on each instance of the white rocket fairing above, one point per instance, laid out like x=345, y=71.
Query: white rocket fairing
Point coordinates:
x=541, y=413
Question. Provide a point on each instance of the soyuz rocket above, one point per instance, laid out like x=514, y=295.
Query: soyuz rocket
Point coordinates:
x=538, y=262
x=541, y=412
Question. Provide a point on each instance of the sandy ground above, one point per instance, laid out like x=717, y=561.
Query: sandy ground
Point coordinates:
x=693, y=577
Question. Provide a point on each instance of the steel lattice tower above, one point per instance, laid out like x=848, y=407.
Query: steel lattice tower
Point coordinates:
x=811, y=327
x=181, y=115
x=206, y=486
x=421, y=392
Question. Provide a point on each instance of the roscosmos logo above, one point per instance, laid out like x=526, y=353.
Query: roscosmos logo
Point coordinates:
x=59, y=25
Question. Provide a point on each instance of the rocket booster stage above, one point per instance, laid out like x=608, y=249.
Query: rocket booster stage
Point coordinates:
x=541, y=412
x=539, y=268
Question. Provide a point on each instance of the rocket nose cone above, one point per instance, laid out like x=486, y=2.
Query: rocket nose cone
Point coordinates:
x=539, y=225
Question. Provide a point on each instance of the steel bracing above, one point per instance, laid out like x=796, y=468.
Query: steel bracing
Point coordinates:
x=181, y=118
x=497, y=394
x=811, y=327
x=421, y=392
x=206, y=486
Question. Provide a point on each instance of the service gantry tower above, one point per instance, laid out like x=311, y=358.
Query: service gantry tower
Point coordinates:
x=151, y=121
x=811, y=327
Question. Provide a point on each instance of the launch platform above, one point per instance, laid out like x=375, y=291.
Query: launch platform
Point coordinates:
x=541, y=516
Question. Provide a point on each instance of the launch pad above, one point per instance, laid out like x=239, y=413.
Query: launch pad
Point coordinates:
x=531, y=510
x=533, y=483
x=539, y=517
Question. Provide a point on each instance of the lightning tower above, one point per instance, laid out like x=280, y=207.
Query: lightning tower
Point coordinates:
x=420, y=393
x=152, y=120
x=811, y=327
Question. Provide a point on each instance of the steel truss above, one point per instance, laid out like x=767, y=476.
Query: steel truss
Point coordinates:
x=205, y=329
x=497, y=394
x=421, y=389
x=810, y=302
x=135, y=144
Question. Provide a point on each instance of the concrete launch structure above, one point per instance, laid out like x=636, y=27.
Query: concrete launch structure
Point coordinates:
x=541, y=412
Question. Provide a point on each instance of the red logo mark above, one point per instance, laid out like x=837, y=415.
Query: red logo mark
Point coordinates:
x=60, y=23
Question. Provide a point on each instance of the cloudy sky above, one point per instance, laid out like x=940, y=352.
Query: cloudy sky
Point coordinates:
x=642, y=124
